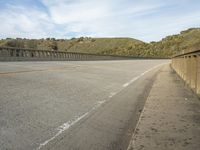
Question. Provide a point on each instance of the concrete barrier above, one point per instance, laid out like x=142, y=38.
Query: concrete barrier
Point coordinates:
x=21, y=54
x=187, y=66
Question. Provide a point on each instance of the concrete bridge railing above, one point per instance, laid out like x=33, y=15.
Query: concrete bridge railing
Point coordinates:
x=187, y=66
x=21, y=54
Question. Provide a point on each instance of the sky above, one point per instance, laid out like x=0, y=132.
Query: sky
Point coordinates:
x=146, y=20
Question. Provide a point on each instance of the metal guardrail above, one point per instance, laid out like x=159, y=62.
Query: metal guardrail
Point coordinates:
x=187, y=66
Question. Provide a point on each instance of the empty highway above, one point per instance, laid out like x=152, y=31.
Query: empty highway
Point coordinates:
x=72, y=105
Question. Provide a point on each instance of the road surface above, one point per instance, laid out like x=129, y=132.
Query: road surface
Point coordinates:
x=73, y=104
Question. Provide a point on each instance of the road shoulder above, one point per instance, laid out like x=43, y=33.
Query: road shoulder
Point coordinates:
x=171, y=116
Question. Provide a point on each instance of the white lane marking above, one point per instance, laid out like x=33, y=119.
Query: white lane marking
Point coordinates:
x=62, y=128
x=142, y=74
x=70, y=123
x=112, y=94
x=132, y=80
x=76, y=119
x=126, y=84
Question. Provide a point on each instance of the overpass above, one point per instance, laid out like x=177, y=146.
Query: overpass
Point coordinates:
x=74, y=104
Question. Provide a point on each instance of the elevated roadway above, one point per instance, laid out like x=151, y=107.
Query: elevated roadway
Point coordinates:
x=72, y=105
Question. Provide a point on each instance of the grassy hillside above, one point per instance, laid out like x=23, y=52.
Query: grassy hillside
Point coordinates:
x=85, y=45
x=186, y=40
x=99, y=45
x=168, y=46
x=189, y=39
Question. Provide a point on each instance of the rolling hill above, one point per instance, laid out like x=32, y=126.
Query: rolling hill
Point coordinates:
x=186, y=40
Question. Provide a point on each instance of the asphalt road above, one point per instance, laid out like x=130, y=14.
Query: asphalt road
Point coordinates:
x=72, y=105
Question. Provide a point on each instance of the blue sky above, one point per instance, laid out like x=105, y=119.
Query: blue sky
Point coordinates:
x=147, y=20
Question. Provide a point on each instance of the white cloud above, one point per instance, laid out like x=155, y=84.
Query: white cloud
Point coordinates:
x=98, y=18
x=23, y=22
x=146, y=20
x=81, y=12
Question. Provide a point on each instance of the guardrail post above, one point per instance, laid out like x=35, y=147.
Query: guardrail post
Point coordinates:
x=39, y=54
x=68, y=56
x=198, y=75
x=184, y=67
x=193, y=71
x=188, y=71
x=43, y=55
x=49, y=55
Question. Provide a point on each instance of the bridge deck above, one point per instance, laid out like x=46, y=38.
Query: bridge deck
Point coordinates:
x=90, y=103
